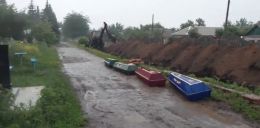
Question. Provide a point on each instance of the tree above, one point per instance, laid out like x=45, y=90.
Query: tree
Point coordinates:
x=174, y=29
x=116, y=29
x=147, y=27
x=230, y=31
x=187, y=24
x=136, y=33
x=33, y=13
x=42, y=32
x=2, y=2
x=193, y=33
x=219, y=33
x=75, y=25
x=49, y=15
x=239, y=28
x=200, y=22
x=12, y=22
x=60, y=24
x=244, y=25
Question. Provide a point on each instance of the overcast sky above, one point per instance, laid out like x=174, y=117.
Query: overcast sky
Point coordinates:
x=170, y=13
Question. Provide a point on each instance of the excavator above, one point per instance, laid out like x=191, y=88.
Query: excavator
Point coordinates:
x=97, y=42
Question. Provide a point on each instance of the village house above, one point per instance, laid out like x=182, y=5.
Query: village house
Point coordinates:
x=202, y=30
x=166, y=33
x=253, y=34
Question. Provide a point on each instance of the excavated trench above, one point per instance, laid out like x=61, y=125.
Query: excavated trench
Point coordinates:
x=112, y=100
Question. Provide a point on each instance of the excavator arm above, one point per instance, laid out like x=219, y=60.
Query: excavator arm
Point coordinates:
x=102, y=32
x=110, y=36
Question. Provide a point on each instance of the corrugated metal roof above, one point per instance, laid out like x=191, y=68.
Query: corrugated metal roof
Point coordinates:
x=168, y=32
x=205, y=31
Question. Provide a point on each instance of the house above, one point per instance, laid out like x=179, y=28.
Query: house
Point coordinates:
x=253, y=34
x=95, y=32
x=202, y=30
x=167, y=34
x=156, y=30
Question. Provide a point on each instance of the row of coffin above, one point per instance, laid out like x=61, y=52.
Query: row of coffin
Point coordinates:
x=191, y=88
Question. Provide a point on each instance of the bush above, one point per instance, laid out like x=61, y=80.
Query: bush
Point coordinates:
x=83, y=40
x=42, y=32
x=25, y=47
x=58, y=106
x=193, y=33
x=29, y=39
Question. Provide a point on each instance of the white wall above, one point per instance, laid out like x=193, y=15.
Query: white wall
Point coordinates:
x=251, y=39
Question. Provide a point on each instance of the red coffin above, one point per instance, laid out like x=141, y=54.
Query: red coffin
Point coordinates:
x=151, y=78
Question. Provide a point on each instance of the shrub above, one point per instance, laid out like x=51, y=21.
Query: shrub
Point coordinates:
x=42, y=32
x=83, y=40
x=25, y=47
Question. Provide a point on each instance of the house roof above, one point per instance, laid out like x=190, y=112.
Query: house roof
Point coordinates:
x=203, y=30
x=255, y=26
x=168, y=32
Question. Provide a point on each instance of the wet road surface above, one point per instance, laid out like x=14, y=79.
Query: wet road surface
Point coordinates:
x=112, y=100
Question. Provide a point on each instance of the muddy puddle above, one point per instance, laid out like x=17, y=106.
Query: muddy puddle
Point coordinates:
x=112, y=100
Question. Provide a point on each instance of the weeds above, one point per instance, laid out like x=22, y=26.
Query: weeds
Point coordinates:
x=58, y=106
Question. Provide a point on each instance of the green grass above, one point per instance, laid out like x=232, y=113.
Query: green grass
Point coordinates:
x=58, y=106
x=234, y=100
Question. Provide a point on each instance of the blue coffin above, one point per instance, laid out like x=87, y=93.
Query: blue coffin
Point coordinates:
x=192, y=89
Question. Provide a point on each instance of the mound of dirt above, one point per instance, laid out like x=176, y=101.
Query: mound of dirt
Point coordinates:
x=229, y=63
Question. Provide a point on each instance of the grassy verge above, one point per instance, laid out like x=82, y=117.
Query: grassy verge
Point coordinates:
x=58, y=107
x=234, y=100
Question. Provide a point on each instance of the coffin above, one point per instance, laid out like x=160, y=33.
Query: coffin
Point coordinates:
x=151, y=78
x=109, y=62
x=128, y=69
x=191, y=88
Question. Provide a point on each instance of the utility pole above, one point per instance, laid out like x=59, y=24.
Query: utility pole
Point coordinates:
x=152, y=28
x=225, y=27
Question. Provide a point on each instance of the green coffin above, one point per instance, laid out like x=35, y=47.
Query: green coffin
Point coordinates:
x=125, y=68
x=109, y=62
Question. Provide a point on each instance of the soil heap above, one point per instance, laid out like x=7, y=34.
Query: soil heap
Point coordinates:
x=229, y=63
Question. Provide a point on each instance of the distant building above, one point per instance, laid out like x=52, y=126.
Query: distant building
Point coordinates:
x=95, y=32
x=253, y=34
x=167, y=34
x=202, y=30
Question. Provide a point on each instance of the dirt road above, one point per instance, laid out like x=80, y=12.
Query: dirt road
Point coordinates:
x=112, y=100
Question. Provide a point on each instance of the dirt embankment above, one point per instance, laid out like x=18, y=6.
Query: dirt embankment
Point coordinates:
x=229, y=63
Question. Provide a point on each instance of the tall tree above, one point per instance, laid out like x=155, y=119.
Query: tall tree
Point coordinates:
x=194, y=33
x=12, y=22
x=244, y=25
x=116, y=29
x=38, y=12
x=49, y=15
x=31, y=9
x=75, y=25
x=200, y=22
x=187, y=24
x=241, y=23
x=60, y=24
x=2, y=2
x=43, y=33
x=33, y=14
